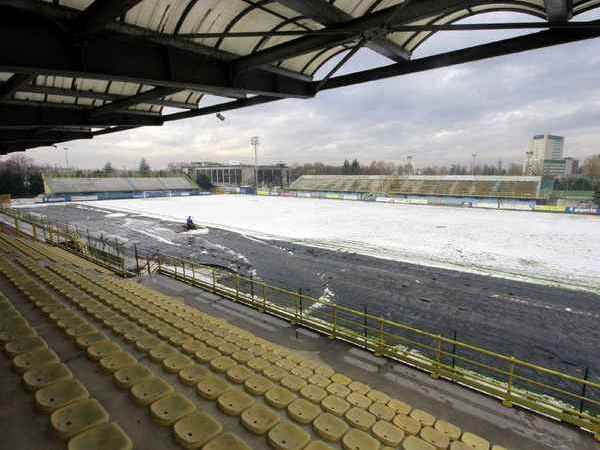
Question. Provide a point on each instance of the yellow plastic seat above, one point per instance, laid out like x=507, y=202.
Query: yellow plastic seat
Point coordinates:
x=222, y=364
x=387, y=433
x=313, y=393
x=378, y=396
x=257, y=384
x=207, y=354
x=59, y=395
x=101, y=349
x=103, y=437
x=16, y=333
x=319, y=380
x=226, y=441
x=279, y=397
x=170, y=409
x=259, y=419
x=335, y=405
x=286, y=436
x=330, y=427
x=116, y=361
x=211, y=387
x=452, y=431
x=126, y=377
x=303, y=411
x=45, y=375
x=359, y=388
x=81, y=330
x=239, y=374
x=399, y=407
x=424, y=418
x=258, y=364
x=285, y=364
x=274, y=373
x=196, y=429
x=145, y=344
x=33, y=359
x=358, y=400
x=356, y=439
x=475, y=441
x=340, y=379
x=293, y=383
x=233, y=402
x=414, y=443
x=191, y=375
x=162, y=352
x=77, y=418
x=338, y=389
x=192, y=346
x=88, y=340
x=176, y=363
x=149, y=390
x=242, y=356
x=25, y=345
x=359, y=418
x=407, y=424
x=382, y=411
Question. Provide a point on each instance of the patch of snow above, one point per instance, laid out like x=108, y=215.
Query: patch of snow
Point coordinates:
x=111, y=215
x=556, y=249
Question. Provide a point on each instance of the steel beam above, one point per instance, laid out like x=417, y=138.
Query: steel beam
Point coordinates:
x=327, y=14
x=20, y=116
x=13, y=136
x=101, y=13
x=14, y=84
x=228, y=106
x=371, y=23
x=144, y=97
x=558, y=11
x=30, y=45
x=533, y=41
x=50, y=90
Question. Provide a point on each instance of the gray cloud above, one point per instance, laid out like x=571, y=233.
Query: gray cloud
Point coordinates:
x=491, y=107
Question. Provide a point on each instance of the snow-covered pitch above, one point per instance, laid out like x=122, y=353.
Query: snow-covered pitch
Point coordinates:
x=543, y=247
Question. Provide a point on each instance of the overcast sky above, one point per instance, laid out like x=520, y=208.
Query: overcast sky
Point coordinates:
x=491, y=107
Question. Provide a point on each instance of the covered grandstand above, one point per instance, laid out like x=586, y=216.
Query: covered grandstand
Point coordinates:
x=67, y=189
x=424, y=185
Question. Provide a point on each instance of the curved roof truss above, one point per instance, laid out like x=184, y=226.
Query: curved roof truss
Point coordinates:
x=74, y=69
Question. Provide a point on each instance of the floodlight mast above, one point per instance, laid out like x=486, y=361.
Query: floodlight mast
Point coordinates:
x=255, y=141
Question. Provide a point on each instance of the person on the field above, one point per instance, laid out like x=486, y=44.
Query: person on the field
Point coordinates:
x=190, y=223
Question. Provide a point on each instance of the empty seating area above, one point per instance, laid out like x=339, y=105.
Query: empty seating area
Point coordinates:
x=212, y=384
x=459, y=186
x=63, y=185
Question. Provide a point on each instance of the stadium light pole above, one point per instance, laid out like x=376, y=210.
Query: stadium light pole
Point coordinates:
x=255, y=141
x=474, y=155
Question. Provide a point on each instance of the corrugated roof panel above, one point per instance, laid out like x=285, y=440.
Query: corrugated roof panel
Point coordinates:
x=87, y=84
x=123, y=88
x=5, y=75
x=584, y=5
x=29, y=96
x=76, y=4
x=61, y=99
x=152, y=14
x=211, y=17
x=316, y=64
x=252, y=21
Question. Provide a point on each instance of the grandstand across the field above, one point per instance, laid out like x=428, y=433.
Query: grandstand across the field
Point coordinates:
x=63, y=188
x=426, y=185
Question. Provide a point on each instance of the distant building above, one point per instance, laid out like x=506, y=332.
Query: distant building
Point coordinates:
x=545, y=158
x=234, y=173
x=571, y=167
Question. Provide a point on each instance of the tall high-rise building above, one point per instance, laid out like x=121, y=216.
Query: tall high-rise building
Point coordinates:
x=545, y=156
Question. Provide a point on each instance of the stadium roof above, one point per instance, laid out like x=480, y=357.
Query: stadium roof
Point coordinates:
x=74, y=69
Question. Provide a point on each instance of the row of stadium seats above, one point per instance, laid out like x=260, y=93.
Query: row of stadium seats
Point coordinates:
x=75, y=416
x=275, y=393
x=57, y=185
x=420, y=186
